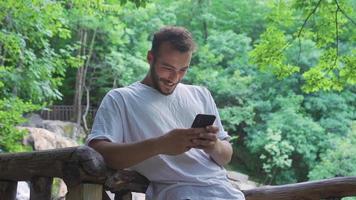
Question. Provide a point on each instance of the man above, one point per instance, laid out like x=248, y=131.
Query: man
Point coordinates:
x=146, y=127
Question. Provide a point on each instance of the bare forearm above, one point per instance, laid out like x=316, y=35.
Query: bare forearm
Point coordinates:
x=120, y=156
x=222, y=152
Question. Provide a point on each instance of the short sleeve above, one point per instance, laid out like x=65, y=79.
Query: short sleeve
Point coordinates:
x=108, y=121
x=211, y=107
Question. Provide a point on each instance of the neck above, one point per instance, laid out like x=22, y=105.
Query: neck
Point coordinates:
x=147, y=80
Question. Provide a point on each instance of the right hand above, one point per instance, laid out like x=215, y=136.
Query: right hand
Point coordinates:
x=178, y=141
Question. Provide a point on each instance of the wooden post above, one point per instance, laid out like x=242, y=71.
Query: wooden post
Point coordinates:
x=8, y=190
x=85, y=192
x=41, y=188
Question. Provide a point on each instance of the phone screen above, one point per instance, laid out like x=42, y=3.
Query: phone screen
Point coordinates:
x=203, y=120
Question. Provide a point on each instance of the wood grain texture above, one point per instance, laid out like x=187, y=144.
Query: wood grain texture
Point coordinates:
x=8, y=190
x=312, y=190
x=85, y=192
x=72, y=164
x=40, y=188
x=78, y=166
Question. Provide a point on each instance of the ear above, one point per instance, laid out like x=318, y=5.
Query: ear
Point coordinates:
x=150, y=57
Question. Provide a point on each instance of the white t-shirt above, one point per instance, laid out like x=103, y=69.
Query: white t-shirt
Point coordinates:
x=139, y=112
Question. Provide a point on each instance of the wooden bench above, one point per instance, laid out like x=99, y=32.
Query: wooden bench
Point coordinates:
x=87, y=177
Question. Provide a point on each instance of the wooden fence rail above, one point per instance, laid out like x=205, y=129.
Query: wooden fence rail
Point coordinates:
x=63, y=112
x=87, y=177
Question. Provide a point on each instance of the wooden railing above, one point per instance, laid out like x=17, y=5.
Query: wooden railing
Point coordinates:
x=63, y=112
x=87, y=177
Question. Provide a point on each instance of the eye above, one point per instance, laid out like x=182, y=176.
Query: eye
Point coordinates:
x=183, y=70
x=168, y=69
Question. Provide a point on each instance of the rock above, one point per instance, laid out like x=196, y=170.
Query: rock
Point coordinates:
x=33, y=120
x=67, y=129
x=42, y=139
x=64, y=128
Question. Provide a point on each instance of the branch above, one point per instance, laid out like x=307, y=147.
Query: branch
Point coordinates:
x=343, y=12
x=86, y=109
x=86, y=65
x=307, y=19
x=301, y=29
x=2, y=55
x=300, y=49
x=337, y=34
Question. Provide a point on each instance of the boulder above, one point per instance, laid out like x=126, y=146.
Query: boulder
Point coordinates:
x=64, y=128
x=42, y=139
x=33, y=120
x=67, y=129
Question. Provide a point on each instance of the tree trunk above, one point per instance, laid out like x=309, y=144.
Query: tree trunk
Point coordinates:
x=85, y=85
x=81, y=76
x=79, y=81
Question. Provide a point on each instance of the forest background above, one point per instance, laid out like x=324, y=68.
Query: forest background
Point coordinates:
x=282, y=73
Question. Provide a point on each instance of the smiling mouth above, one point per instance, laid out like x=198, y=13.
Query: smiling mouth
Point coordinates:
x=168, y=83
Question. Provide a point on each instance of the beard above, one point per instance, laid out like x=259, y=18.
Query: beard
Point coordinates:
x=157, y=81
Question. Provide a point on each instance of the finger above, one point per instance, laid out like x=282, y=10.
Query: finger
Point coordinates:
x=202, y=147
x=195, y=132
x=199, y=130
x=199, y=147
x=203, y=143
x=191, y=143
x=212, y=129
x=208, y=136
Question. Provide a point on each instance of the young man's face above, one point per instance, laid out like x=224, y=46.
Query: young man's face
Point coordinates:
x=168, y=68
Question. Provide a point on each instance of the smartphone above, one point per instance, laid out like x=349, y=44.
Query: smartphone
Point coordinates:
x=203, y=120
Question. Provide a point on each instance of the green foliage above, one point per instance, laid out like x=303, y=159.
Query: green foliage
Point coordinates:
x=347, y=73
x=271, y=57
x=322, y=76
x=31, y=70
x=307, y=138
x=325, y=22
x=337, y=161
x=34, y=69
x=11, y=111
x=277, y=154
x=332, y=110
x=258, y=59
x=234, y=115
x=120, y=45
x=281, y=14
x=136, y=2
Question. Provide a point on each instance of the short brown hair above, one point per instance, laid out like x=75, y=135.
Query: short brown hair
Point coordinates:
x=180, y=38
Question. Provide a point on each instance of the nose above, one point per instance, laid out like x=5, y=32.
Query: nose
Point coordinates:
x=174, y=76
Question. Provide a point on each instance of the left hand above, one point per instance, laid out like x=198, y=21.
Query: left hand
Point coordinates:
x=207, y=141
